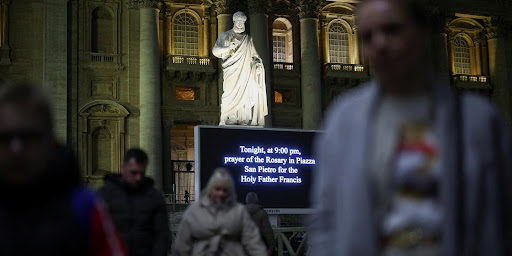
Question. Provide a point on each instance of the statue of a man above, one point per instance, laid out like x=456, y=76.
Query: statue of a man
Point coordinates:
x=244, y=97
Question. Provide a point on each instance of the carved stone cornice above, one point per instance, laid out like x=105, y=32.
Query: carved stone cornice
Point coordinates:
x=497, y=27
x=507, y=3
x=259, y=6
x=139, y=4
x=309, y=8
x=225, y=6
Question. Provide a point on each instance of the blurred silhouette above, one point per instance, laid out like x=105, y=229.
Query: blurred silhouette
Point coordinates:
x=260, y=217
x=187, y=196
x=217, y=225
x=406, y=166
x=137, y=208
x=65, y=219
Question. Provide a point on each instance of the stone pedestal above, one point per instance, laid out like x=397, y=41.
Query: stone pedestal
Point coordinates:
x=55, y=63
x=149, y=89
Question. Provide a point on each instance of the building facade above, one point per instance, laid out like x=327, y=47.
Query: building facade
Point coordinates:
x=140, y=73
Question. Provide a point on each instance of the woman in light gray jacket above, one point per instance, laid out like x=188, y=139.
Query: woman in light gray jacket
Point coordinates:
x=217, y=225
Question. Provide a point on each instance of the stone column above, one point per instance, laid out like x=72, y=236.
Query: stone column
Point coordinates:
x=496, y=34
x=439, y=54
x=206, y=29
x=5, y=49
x=258, y=22
x=169, y=29
x=478, y=60
x=206, y=47
x=149, y=90
x=310, y=64
x=224, y=23
x=55, y=45
x=325, y=42
x=356, y=47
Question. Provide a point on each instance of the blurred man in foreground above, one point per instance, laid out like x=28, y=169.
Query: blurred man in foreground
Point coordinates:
x=43, y=209
x=406, y=166
x=137, y=208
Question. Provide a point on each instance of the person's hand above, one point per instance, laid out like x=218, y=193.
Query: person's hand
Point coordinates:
x=234, y=44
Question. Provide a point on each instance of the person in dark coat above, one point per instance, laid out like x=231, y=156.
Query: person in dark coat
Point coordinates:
x=43, y=208
x=260, y=217
x=137, y=208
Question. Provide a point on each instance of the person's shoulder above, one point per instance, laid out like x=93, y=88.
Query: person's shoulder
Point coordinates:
x=347, y=104
x=154, y=193
x=480, y=114
x=474, y=102
x=111, y=182
x=355, y=95
x=238, y=207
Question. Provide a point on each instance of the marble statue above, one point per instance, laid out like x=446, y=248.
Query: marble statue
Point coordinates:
x=244, y=96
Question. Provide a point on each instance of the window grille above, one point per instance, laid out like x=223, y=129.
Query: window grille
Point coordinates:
x=462, y=59
x=186, y=35
x=338, y=43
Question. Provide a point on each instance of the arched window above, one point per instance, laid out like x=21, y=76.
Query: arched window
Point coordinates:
x=186, y=35
x=338, y=43
x=282, y=41
x=102, y=36
x=462, y=56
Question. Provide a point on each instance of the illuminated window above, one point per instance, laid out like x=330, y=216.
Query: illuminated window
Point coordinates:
x=338, y=43
x=278, y=97
x=462, y=57
x=185, y=93
x=279, y=46
x=282, y=43
x=282, y=96
x=102, y=35
x=186, y=35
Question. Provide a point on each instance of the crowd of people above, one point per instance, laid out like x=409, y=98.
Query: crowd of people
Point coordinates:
x=406, y=166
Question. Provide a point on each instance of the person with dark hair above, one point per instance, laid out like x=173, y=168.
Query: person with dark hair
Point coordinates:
x=217, y=224
x=65, y=219
x=137, y=208
x=406, y=165
x=260, y=217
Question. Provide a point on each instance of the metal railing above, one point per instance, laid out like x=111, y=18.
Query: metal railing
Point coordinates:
x=290, y=241
x=103, y=57
x=283, y=66
x=189, y=60
x=172, y=199
x=183, y=166
x=471, y=78
x=345, y=67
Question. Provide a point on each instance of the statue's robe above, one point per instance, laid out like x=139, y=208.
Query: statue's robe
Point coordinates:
x=244, y=97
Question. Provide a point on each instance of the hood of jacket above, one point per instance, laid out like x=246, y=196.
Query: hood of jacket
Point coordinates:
x=59, y=178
